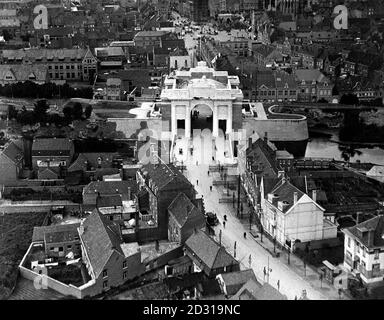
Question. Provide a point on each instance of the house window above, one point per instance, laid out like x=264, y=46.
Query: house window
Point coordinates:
x=376, y=269
x=105, y=273
x=377, y=252
x=69, y=247
x=124, y=264
x=61, y=249
x=105, y=284
x=125, y=275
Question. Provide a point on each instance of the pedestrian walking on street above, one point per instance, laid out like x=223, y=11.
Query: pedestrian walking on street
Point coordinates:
x=197, y=182
x=278, y=285
x=210, y=188
x=197, y=163
x=213, y=158
x=224, y=224
x=245, y=235
x=208, y=172
x=265, y=272
x=225, y=217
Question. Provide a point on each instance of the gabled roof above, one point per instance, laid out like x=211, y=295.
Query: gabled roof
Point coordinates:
x=253, y=290
x=375, y=226
x=101, y=238
x=262, y=157
x=183, y=209
x=24, y=72
x=209, y=251
x=110, y=187
x=237, y=278
x=47, y=173
x=286, y=191
x=93, y=159
x=55, y=233
x=51, y=144
x=13, y=152
x=109, y=201
x=163, y=174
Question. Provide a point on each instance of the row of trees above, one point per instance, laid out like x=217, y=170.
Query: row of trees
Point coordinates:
x=39, y=114
x=30, y=89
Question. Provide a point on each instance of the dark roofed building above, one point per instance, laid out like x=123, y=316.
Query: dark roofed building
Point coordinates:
x=208, y=256
x=163, y=183
x=184, y=217
x=232, y=282
x=125, y=189
x=55, y=153
x=11, y=163
x=109, y=261
x=58, y=240
x=253, y=290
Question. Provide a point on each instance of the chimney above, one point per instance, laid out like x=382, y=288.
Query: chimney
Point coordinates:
x=314, y=195
x=266, y=136
x=81, y=228
x=370, y=237
x=294, y=197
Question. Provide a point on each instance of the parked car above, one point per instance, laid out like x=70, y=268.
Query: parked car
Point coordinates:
x=211, y=219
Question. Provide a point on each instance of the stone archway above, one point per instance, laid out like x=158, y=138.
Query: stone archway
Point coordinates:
x=201, y=117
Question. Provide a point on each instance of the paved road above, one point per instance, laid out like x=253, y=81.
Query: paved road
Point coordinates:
x=291, y=283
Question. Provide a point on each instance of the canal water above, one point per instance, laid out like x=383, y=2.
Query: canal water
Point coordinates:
x=326, y=147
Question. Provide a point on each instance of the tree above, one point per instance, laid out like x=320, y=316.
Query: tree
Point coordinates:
x=6, y=35
x=77, y=111
x=40, y=110
x=88, y=111
x=349, y=99
x=67, y=111
x=12, y=112
x=27, y=117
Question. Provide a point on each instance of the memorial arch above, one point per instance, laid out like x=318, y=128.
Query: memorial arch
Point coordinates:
x=186, y=91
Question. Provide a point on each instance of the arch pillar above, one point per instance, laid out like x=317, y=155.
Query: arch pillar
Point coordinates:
x=215, y=124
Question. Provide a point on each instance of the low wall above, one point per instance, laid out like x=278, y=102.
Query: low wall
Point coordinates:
x=46, y=282
x=278, y=129
x=43, y=281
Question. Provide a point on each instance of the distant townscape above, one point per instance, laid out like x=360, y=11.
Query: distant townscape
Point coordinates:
x=192, y=149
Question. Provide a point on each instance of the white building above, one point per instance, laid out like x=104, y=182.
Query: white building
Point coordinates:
x=179, y=59
x=364, y=249
x=203, y=86
x=288, y=214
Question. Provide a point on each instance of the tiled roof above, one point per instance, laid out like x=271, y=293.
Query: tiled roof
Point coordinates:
x=252, y=290
x=375, y=226
x=33, y=54
x=55, y=233
x=237, y=278
x=262, y=157
x=183, y=209
x=109, y=201
x=100, y=238
x=162, y=174
x=24, y=72
x=285, y=192
x=13, y=152
x=51, y=144
x=80, y=164
x=150, y=34
x=110, y=187
x=209, y=251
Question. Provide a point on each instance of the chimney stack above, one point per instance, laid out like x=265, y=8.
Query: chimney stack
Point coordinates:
x=81, y=228
x=370, y=237
x=314, y=195
x=266, y=136
x=294, y=197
